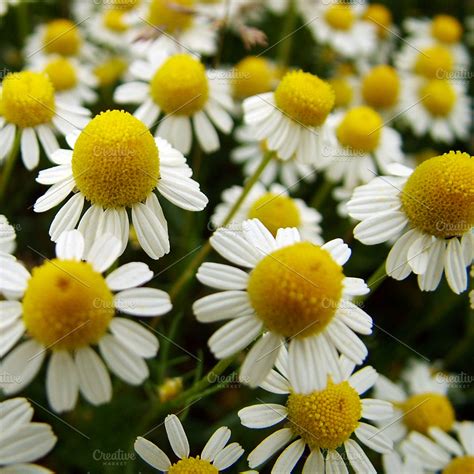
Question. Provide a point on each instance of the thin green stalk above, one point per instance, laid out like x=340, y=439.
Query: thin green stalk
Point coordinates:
x=321, y=194
x=284, y=50
x=22, y=21
x=165, y=347
x=9, y=165
x=190, y=270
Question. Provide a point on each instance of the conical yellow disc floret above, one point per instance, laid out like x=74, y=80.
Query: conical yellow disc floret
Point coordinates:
x=380, y=16
x=193, y=466
x=62, y=37
x=28, y=99
x=67, y=305
x=428, y=409
x=62, y=74
x=460, y=465
x=180, y=85
x=381, y=87
x=340, y=16
x=296, y=290
x=438, y=197
x=326, y=418
x=435, y=62
x=305, y=98
x=115, y=161
x=167, y=15
x=438, y=97
x=275, y=211
x=446, y=28
x=252, y=75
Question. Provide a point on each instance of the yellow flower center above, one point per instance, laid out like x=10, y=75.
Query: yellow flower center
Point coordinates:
x=110, y=71
x=124, y=4
x=343, y=91
x=435, y=62
x=360, y=129
x=67, y=305
x=438, y=97
x=180, y=85
x=340, y=16
x=113, y=20
x=460, y=465
x=296, y=290
x=380, y=16
x=327, y=418
x=438, y=197
x=193, y=466
x=62, y=74
x=62, y=37
x=28, y=99
x=115, y=162
x=168, y=15
x=381, y=86
x=446, y=29
x=275, y=211
x=305, y=98
x=253, y=75
x=424, y=410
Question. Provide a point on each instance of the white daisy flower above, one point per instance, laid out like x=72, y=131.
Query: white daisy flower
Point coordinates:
x=22, y=440
x=323, y=418
x=295, y=291
x=442, y=452
x=7, y=237
x=341, y=25
x=437, y=107
x=178, y=25
x=30, y=111
x=67, y=307
x=357, y=144
x=189, y=96
x=442, y=29
x=290, y=118
x=429, y=214
x=109, y=27
x=273, y=207
x=420, y=401
x=291, y=173
x=73, y=81
x=116, y=163
x=215, y=457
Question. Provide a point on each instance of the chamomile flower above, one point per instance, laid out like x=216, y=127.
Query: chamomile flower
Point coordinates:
x=188, y=96
x=442, y=29
x=420, y=401
x=73, y=81
x=215, y=457
x=7, y=236
x=295, y=291
x=428, y=212
x=324, y=418
x=443, y=452
x=357, y=143
x=115, y=164
x=30, y=110
x=273, y=207
x=253, y=75
x=178, y=25
x=437, y=107
x=67, y=306
x=250, y=153
x=341, y=26
x=22, y=440
x=289, y=119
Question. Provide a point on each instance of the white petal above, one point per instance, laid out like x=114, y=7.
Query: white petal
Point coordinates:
x=47, y=139
x=269, y=446
x=143, y=302
x=29, y=148
x=235, y=248
x=374, y=438
x=216, y=443
x=397, y=265
x=228, y=456
x=339, y=251
x=373, y=409
x=314, y=463
x=62, y=384
x=262, y=415
x=176, y=436
x=346, y=341
x=289, y=457
x=454, y=266
x=380, y=228
x=10, y=334
x=358, y=459
x=70, y=245
x=128, y=276
x=259, y=236
x=14, y=276
x=134, y=336
x=205, y=132
x=152, y=454
x=54, y=195
x=104, y=251
x=222, y=277
x=334, y=463
x=363, y=379
x=222, y=305
x=94, y=379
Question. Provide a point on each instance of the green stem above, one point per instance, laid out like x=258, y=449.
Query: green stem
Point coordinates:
x=284, y=49
x=22, y=21
x=165, y=348
x=9, y=165
x=206, y=248
x=321, y=194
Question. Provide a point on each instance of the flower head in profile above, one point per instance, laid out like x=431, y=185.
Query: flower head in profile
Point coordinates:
x=325, y=419
x=216, y=456
x=29, y=110
x=289, y=119
x=187, y=95
x=65, y=306
x=429, y=212
x=22, y=440
x=296, y=291
x=115, y=163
